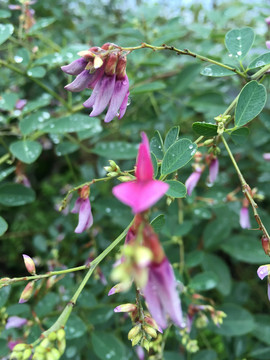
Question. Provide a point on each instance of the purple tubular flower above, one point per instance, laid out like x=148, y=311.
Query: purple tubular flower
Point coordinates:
x=80, y=83
x=119, y=93
x=76, y=67
x=263, y=271
x=244, y=218
x=192, y=181
x=266, y=156
x=161, y=295
x=83, y=207
x=213, y=170
x=102, y=93
x=15, y=322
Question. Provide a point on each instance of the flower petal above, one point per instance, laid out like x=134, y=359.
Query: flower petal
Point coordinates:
x=213, y=170
x=104, y=89
x=77, y=206
x=76, y=67
x=244, y=218
x=262, y=271
x=80, y=82
x=140, y=196
x=192, y=181
x=119, y=93
x=123, y=107
x=84, y=214
x=144, y=167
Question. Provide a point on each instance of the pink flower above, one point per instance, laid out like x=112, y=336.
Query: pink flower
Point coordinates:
x=20, y=104
x=12, y=344
x=15, y=322
x=266, y=156
x=140, y=352
x=267, y=43
x=213, y=170
x=143, y=192
x=267, y=20
x=83, y=207
x=161, y=295
x=192, y=180
x=103, y=70
x=263, y=271
x=244, y=218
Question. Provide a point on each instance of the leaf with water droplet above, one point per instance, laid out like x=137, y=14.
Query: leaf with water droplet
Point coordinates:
x=178, y=155
x=251, y=102
x=217, y=71
x=155, y=164
x=107, y=346
x=72, y=123
x=6, y=30
x=6, y=172
x=66, y=147
x=239, y=41
x=26, y=151
x=36, y=121
x=171, y=137
x=205, y=129
x=36, y=72
x=116, y=150
x=15, y=195
x=156, y=145
x=260, y=61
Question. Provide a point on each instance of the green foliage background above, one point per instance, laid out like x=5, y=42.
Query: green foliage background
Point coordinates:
x=167, y=90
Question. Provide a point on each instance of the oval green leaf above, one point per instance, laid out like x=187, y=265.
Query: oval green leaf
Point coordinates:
x=156, y=145
x=36, y=121
x=239, y=41
x=36, y=72
x=116, y=149
x=205, y=129
x=171, y=137
x=73, y=123
x=15, y=195
x=158, y=222
x=107, y=346
x=251, y=101
x=6, y=30
x=206, y=280
x=216, y=71
x=260, y=61
x=3, y=226
x=176, y=189
x=178, y=155
x=66, y=147
x=27, y=151
x=239, y=136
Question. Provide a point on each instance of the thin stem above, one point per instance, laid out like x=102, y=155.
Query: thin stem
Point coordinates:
x=63, y=318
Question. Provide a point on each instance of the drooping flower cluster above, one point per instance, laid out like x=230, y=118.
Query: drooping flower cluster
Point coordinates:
x=83, y=207
x=103, y=70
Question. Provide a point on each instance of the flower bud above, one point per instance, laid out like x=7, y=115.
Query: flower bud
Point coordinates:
x=26, y=354
x=52, y=336
x=150, y=331
x=125, y=178
x=61, y=346
x=38, y=356
x=98, y=62
x=16, y=356
x=108, y=168
x=134, y=332
x=146, y=344
x=150, y=321
x=121, y=67
x=121, y=287
x=54, y=354
x=136, y=339
x=45, y=343
x=112, y=174
x=27, y=292
x=125, y=308
x=20, y=347
x=40, y=350
x=111, y=63
x=61, y=334
x=208, y=142
x=265, y=245
x=142, y=256
x=114, y=166
x=29, y=264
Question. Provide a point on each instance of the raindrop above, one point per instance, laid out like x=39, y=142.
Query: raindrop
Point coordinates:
x=193, y=152
x=207, y=71
x=108, y=210
x=239, y=53
x=129, y=101
x=18, y=59
x=230, y=55
x=208, y=183
x=190, y=146
x=260, y=63
x=238, y=38
x=17, y=112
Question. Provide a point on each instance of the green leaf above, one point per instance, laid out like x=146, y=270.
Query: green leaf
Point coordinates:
x=66, y=147
x=5, y=14
x=171, y=137
x=217, y=71
x=205, y=129
x=107, y=346
x=26, y=150
x=8, y=101
x=219, y=267
x=6, y=172
x=116, y=149
x=215, y=232
x=239, y=136
x=262, y=353
x=178, y=155
x=46, y=304
x=238, y=321
x=4, y=350
x=151, y=87
x=155, y=164
x=3, y=226
x=42, y=101
x=41, y=24
x=33, y=122
x=4, y=295
x=75, y=327
x=205, y=355
x=158, y=223
x=206, y=280
x=262, y=329
x=156, y=145
x=36, y=72
x=239, y=41
x=260, y=61
x=251, y=101
x=246, y=249
x=15, y=195
x=176, y=189
x=72, y=123
x=6, y=30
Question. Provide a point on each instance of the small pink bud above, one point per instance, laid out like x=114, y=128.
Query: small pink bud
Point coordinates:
x=111, y=63
x=121, y=67
x=125, y=308
x=121, y=287
x=29, y=264
x=27, y=292
x=263, y=271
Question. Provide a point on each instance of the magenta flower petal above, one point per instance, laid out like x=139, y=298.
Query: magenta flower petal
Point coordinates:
x=85, y=216
x=119, y=93
x=266, y=156
x=262, y=271
x=140, y=196
x=244, y=218
x=96, y=76
x=76, y=67
x=267, y=43
x=20, y=104
x=161, y=294
x=192, y=181
x=123, y=106
x=104, y=89
x=80, y=82
x=213, y=170
x=15, y=322
x=144, y=167
x=77, y=206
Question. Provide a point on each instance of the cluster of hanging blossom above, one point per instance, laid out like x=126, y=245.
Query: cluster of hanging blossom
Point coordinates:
x=212, y=161
x=144, y=259
x=103, y=70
